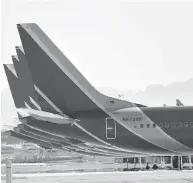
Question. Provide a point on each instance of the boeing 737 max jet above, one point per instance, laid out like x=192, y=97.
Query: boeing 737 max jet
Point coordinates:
x=55, y=99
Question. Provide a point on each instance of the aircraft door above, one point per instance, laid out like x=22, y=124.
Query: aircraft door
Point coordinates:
x=110, y=128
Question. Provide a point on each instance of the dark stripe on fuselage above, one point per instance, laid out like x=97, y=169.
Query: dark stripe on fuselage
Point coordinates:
x=169, y=120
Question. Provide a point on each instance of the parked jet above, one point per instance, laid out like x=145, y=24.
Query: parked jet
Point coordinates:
x=77, y=110
x=179, y=103
x=17, y=83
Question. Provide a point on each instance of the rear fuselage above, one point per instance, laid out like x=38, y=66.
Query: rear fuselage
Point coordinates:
x=158, y=130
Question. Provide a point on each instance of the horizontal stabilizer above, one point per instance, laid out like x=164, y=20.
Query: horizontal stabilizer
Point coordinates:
x=26, y=128
x=45, y=116
x=28, y=139
x=34, y=136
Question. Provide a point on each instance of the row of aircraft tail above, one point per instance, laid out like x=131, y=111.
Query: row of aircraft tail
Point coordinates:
x=178, y=103
x=58, y=108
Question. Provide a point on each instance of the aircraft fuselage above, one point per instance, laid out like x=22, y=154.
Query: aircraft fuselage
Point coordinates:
x=155, y=129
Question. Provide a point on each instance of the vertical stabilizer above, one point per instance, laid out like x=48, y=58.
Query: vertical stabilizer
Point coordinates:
x=55, y=76
x=179, y=103
x=17, y=93
x=25, y=78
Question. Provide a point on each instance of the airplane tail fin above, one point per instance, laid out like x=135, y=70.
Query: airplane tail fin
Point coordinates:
x=24, y=74
x=22, y=88
x=18, y=95
x=58, y=79
x=179, y=103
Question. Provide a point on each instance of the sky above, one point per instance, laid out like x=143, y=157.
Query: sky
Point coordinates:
x=119, y=44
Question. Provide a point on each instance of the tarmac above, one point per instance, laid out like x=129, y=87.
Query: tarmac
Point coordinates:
x=160, y=176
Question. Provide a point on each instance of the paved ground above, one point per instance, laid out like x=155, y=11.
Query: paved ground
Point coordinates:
x=55, y=168
x=18, y=168
x=161, y=176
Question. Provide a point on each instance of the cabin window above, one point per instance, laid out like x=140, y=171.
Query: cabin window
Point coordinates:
x=186, y=124
x=148, y=125
x=180, y=125
x=191, y=124
x=154, y=125
x=173, y=125
x=141, y=125
x=167, y=125
x=112, y=102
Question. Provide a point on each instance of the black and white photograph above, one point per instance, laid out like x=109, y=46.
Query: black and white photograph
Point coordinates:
x=96, y=91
